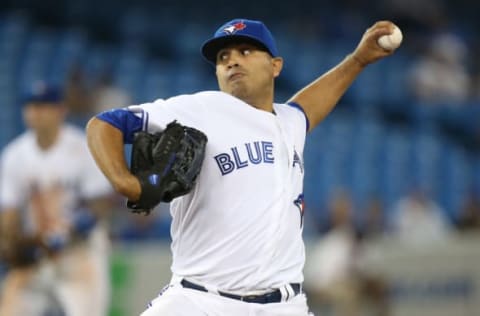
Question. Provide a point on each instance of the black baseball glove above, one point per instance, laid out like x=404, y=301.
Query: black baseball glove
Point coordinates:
x=166, y=163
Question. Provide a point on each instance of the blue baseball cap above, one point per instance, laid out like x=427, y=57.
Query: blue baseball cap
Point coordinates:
x=239, y=30
x=42, y=92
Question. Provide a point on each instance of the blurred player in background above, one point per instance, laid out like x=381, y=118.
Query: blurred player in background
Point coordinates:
x=237, y=236
x=336, y=277
x=53, y=206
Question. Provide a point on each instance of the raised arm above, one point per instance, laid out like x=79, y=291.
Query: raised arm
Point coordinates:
x=106, y=145
x=320, y=97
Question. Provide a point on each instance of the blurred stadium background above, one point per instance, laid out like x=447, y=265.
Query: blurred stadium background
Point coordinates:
x=384, y=139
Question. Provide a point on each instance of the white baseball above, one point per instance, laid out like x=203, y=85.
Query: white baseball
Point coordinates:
x=392, y=41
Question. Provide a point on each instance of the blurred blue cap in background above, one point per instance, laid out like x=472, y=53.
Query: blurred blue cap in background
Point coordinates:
x=42, y=92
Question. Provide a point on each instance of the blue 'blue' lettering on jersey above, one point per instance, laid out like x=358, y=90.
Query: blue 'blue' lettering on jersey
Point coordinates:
x=237, y=159
x=238, y=162
x=224, y=163
x=258, y=158
x=267, y=150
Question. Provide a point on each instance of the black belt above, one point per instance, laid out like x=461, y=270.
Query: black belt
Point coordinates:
x=271, y=297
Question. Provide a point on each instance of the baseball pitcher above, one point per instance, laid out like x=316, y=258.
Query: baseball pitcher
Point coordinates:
x=237, y=222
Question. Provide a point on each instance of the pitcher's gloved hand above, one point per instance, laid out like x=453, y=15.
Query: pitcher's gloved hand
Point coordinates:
x=166, y=163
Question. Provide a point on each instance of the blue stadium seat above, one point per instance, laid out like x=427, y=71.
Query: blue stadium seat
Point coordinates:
x=157, y=82
x=394, y=80
x=395, y=173
x=367, y=89
x=456, y=178
x=425, y=160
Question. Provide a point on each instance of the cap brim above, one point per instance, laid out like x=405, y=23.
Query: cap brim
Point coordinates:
x=211, y=47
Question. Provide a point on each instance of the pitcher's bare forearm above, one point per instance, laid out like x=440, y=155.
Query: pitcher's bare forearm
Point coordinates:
x=320, y=97
x=106, y=145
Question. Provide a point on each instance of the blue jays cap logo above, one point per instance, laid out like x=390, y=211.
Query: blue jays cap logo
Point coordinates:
x=232, y=29
x=255, y=32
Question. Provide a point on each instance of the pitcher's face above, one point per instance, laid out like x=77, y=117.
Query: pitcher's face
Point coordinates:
x=243, y=70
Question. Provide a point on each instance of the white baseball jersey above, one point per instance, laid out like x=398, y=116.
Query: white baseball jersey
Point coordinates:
x=47, y=186
x=65, y=173
x=240, y=228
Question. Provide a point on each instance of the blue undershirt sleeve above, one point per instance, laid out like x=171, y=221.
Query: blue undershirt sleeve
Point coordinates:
x=124, y=120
